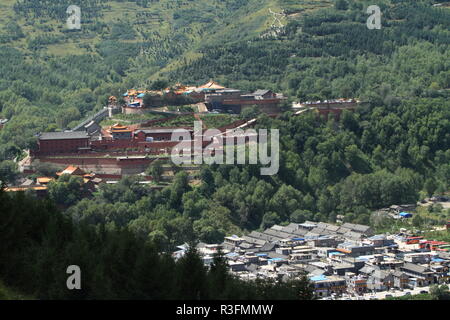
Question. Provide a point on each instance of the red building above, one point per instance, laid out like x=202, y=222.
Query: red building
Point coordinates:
x=62, y=142
x=158, y=134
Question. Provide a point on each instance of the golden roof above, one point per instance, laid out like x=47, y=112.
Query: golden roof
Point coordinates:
x=44, y=180
x=211, y=85
x=71, y=170
x=119, y=128
x=16, y=189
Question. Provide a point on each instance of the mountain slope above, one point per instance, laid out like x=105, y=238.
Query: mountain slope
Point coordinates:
x=53, y=77
x=330, y=53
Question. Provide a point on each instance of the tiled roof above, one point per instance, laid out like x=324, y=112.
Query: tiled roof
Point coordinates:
x=260, y=92
x=415, y=267
x=63, y=135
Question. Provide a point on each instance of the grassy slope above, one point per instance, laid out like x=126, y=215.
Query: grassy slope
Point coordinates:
x=164, y=25
x=212, y=23
x=248, y=22
x=251, y=21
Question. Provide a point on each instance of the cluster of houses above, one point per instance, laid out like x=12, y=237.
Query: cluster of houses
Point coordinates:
x=399, y=211
x=90, y=181
x=337, y=259
x=40, y=184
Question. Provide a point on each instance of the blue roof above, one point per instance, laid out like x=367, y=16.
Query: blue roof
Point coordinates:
x=141, y=95
x=318, y=278
x=437, y=260
x=276, y=259
x=405, y=214
x=261, y=254
x=298, y=239
x=368, y=256
x=377, y=237
x=362, y=259
x=232, y=254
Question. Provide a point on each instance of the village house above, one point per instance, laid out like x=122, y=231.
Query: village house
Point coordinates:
x=233, y=240
x=324, y=252
x=401, y=279
x=359, y=228
x=353, y=249
x=327, y=285
x=440, y=268
x=354, y=267
x=356, y=284
x=380, y=240
x=380, y=280
x=307, y=225
x=417, y=257
x=385, y=262
x=421, y=275
x=323, y=241
x=341, y=268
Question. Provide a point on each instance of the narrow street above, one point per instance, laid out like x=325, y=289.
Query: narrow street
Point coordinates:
x=382, y=295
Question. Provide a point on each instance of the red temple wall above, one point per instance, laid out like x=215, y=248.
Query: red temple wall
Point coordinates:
x=62, y=146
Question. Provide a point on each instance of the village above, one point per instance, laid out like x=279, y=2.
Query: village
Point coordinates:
x=343, y=261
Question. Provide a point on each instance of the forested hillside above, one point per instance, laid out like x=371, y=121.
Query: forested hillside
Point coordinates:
x=331, y=53
x=377, y=157
x=394, y=149
x=51, y=77
x=37, y=244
